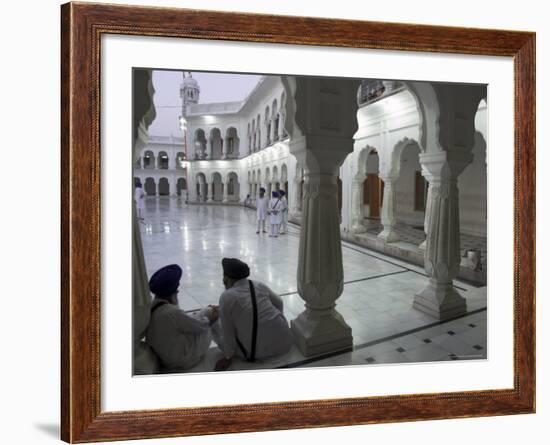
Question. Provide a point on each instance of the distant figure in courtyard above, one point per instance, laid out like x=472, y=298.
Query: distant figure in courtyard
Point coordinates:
x=261, y=210
x=251, y=324
x=179, y=340
x=275, y=211
x=284, y=219
x=139, y=197
x=247, y=201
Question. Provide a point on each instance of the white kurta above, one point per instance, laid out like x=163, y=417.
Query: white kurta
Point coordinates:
x=180, y=340
x=285, y=208
x=236, y=315
x=261, y=208
x=139, y=196
x=275, y=211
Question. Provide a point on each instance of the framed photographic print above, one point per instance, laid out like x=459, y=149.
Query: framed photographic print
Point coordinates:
x=274, y=222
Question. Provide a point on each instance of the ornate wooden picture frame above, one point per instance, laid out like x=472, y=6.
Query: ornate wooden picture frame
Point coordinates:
x=82, y=28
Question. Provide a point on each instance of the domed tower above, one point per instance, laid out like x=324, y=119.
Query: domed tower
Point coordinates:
x=189, y=92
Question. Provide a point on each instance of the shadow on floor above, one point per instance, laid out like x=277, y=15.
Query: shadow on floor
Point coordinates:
x=49, y=429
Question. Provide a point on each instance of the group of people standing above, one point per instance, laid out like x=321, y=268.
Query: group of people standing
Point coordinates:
x=248, y=323
x=276, y=209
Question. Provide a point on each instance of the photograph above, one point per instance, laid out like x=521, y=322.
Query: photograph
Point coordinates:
x=292, y=222
x=287, y=221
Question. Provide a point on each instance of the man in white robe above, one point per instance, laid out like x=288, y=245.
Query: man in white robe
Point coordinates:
x=242, y=302
x=275, y=211
x=179, y=339
x=139, y=197
x=284, y=220
x=261, y=210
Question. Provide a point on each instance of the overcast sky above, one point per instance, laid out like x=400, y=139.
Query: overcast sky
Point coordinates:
x=215, y=87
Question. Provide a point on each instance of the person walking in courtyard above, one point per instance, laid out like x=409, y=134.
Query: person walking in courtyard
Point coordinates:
x=139, y=197
x=261, y=210
x=247, y=201
x=275, y=211
x=284, y=219
x=251, y=324
x=179, y=340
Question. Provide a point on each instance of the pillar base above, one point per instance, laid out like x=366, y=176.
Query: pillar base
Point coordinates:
x=389, y=236
x=440, y=301
x=321, y=332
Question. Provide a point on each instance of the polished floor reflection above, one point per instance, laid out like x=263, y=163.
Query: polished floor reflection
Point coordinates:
x=376, y=302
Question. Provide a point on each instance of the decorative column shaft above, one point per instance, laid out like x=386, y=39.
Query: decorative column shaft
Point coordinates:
x=295, y=201
x=442, y=253
x=282, y=130
x=321, y=117
x=388, y=216
x=144, y=360
x=422, y=245
x=225, y=189
x=209, y=195
x=357, y=225
x=320, y=328
x=273, y=130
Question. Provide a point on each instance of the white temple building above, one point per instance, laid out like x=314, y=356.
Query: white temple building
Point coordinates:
x=404, y=163
x=232, y=149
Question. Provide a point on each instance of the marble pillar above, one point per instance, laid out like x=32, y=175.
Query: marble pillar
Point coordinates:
x=210, y=192
x=144, y=360
x=273, y=130
x=388, y=215
x=422, y=245
x=295, y=211
x=225, y=189
x=320, y=328
x=357, y=216
x=321, y=118
x=442, y=253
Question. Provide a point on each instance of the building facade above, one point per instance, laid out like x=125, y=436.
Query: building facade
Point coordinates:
x=229, y=150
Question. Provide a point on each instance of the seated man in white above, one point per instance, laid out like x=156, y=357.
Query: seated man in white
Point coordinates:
x=180, y=340
x=251, y=316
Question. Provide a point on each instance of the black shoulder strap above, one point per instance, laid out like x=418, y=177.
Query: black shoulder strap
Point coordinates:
x=254, y=323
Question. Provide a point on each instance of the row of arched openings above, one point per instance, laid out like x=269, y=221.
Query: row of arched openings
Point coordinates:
x=216, y=146
x=270, y=125
x=162, y=161
x=162, y=188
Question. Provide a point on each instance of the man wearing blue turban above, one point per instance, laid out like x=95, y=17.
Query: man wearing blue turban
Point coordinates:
x=179, y=339
x=275, y=212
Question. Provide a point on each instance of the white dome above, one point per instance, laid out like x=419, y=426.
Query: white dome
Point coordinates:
x=189, y=82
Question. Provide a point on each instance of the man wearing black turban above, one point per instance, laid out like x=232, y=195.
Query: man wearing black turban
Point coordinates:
x=179, y=339
x=251, y=324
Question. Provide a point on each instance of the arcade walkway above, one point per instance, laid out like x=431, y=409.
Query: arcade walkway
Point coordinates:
x=376, y=302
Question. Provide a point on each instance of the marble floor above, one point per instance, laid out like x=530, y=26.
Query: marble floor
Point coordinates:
x=376, y=302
